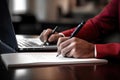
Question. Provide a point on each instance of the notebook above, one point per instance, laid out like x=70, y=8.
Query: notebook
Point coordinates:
x=42, y=59
x=9, y=42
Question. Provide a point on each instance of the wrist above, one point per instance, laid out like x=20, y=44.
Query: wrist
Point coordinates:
x=95, y=51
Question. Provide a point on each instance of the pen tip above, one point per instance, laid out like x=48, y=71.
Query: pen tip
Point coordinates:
x=46, y=43
x=57, y=55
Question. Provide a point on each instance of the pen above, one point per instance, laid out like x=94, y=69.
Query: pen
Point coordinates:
x=75, y=32
x=53, y=31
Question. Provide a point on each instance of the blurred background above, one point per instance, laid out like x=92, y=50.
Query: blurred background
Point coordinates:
x=33, y=16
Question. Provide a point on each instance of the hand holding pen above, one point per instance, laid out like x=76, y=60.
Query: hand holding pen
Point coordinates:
x=75, y=32
x=53, y=31
x=50, y=36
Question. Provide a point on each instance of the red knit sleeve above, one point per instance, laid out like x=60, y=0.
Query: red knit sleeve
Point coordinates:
x=88, y=32
x=103, y=24
x=108, y=50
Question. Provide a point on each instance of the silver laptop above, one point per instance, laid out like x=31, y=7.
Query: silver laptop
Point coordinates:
x=33, y=43
x=9, y=42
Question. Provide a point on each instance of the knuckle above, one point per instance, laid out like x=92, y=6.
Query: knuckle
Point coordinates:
x=74, y=39
x=74, y=44
x=49, y=29
x=60, y=38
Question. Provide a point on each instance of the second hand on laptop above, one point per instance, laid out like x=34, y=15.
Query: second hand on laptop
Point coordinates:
x=53, y=31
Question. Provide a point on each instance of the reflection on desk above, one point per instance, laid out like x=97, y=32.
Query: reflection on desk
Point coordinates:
x=64, y=72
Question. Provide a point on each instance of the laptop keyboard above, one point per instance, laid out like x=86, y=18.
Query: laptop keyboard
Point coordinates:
x=33, y=44
x=29, y=43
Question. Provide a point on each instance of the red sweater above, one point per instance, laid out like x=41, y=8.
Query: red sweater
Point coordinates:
x=104, y=23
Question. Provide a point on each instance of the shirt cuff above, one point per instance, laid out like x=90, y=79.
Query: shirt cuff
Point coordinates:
x=95, y=52
x=62, y=34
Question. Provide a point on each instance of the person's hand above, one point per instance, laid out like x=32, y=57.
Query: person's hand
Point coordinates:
x=47, y=36
x=75, y=47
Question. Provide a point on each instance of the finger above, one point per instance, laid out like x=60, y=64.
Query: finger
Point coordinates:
x=65, y=41
x=75, y=50
x=72, y=53
x=67, y=50
x=69, y=46
x=61, y=44
x=61, y=39
x=54, y=37
x=46, y=34
x=69, y=55
x=42, y=36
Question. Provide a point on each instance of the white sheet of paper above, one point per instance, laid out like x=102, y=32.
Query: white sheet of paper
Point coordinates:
x=43, y=58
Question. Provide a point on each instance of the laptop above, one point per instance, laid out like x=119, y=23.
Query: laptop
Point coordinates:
x=9, y=42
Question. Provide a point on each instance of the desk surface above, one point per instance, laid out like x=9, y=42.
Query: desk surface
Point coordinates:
x=63, y=72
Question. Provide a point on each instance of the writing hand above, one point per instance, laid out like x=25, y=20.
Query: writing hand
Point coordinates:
x=75, y=47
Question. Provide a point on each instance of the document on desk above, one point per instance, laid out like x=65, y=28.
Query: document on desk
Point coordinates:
x=43, y=58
